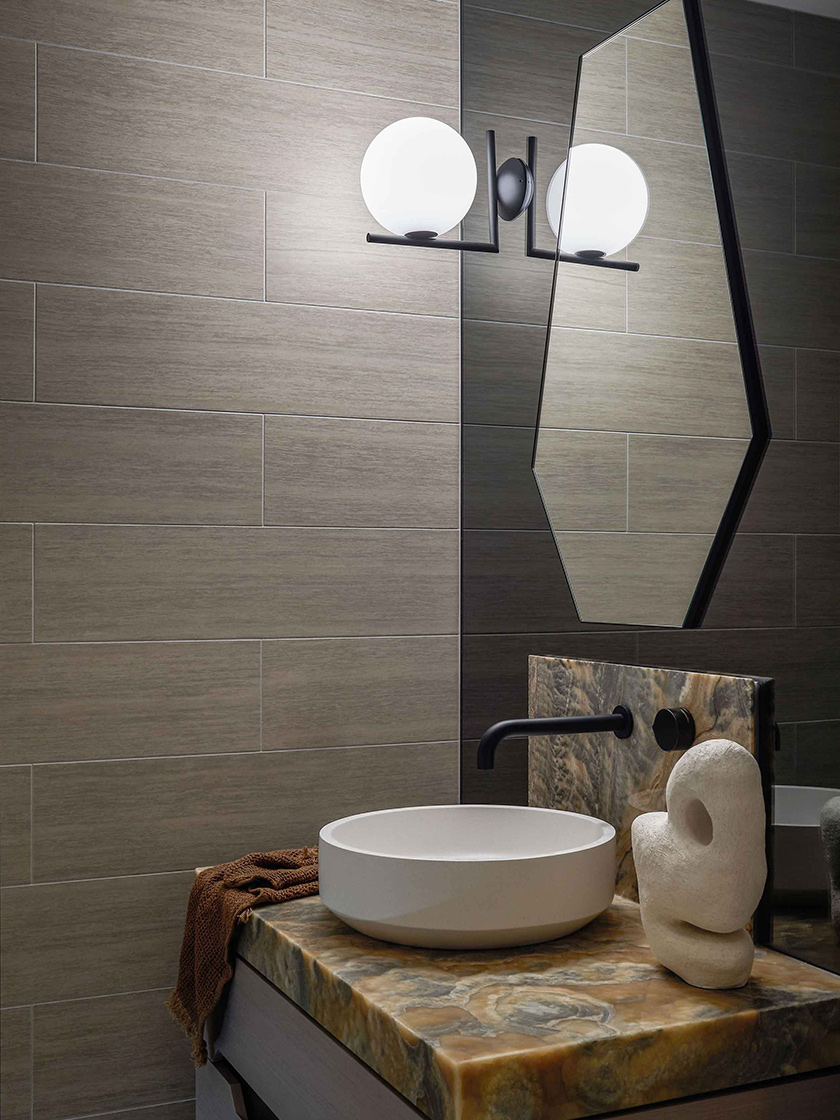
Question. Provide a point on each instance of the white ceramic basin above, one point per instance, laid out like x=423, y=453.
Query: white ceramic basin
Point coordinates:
x=467, y=876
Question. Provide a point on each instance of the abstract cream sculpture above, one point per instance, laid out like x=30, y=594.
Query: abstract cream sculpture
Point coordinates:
x=701, y=865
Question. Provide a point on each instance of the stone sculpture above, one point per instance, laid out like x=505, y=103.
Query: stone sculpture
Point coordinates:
x=830, y=830
x=701, y=865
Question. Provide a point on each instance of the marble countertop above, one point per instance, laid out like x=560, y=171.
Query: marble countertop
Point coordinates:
x=570, y=1028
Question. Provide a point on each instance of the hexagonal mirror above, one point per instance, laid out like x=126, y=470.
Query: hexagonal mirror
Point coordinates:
x=652, y=421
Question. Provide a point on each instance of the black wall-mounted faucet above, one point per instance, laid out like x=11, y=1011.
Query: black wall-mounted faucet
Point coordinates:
x=620, y=723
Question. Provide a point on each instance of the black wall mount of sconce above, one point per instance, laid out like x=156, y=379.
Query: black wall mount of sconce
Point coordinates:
x=510, y=193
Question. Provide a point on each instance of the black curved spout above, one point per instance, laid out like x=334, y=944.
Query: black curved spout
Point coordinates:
x=620, y=723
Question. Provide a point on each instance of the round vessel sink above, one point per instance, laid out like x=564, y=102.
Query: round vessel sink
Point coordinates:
x=467, y=876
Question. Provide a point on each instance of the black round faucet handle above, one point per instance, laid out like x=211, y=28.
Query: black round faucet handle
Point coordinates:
x=674, y=729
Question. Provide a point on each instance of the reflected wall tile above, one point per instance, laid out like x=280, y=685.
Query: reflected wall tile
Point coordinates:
x=817, y=212
x=126, y=465
x=602, y=92
x=87, y=952
x=499, y=491
x=17, y=322
x=680, y=290
x=818, y=395
x=681, y=484
x=662, y=94
x=408, y=50
x=804, y=662
x=15, y=583
x=818, y=581
x=83, y=1055
x=817, y=43
x=818, y=754
x=381, y=690
x=797, y=490
x=495, y=670
x=16, y=1063
x=225, y=36
x=112, y=700
x=514, y=581
x=521, y=67
x=360, y=472
x=133, y=348
x=17, y=96
x=794, y=299
x=15, y=824
x=502, y=365
x=583, y=479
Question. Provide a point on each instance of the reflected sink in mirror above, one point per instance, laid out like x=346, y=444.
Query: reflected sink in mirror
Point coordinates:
x=467, y=876
x=649, y=437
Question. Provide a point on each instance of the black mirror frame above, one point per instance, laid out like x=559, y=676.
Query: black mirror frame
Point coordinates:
x=741, y=313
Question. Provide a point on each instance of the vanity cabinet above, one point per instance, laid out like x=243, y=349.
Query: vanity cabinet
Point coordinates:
x=271, y=1061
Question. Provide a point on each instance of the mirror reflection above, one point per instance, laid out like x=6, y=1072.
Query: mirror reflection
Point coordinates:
x=644, y=420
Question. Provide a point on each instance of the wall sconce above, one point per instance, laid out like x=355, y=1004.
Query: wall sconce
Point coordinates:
x=419, y=179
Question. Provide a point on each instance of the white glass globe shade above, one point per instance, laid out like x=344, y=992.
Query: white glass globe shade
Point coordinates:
x=418, y=175
x=606, y=200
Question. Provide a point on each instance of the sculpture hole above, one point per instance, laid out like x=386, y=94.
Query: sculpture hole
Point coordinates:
x=698, y=822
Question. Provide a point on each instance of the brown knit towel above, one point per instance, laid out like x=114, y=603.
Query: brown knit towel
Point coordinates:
x=221, y=898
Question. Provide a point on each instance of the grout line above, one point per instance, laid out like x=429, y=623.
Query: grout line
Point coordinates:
x=255, y=638
x=265, y=246
x=222, y=412
x=129, y=1108
x=35, y=138
x=261, y=694
x=225, y=299
x=626, y=87
x=627, y=485
x=31, y=826
x=34, y=343
x=32, y=1063
x=794, y=208
x=265, y=39
x=138, y=175
x=32, y=586
x=227, y=73
x=795, y=397
x=241, y=525
x=262, y=473
x=103, y=995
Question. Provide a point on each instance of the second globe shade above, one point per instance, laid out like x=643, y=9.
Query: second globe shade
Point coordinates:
x=606, y=200
x=418, y=177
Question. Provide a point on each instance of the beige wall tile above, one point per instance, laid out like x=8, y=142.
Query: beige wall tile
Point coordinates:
x=583, y=479
x=379, y=690
x=818, y=580
x=225, y=36
x=129, y=465
x=116, y=818
x=17, y=337
x=15, y=583
x=818, y=395
x=680, y=290
x=91, y=227
x=17, y=96
x=667, y=385
x=117, y=583
x=804, y=662
x=360, y=472
x=87, y=1055
x=521, y=67
x=602, y=92
x=408, y=50
x=114, y=935
x=681, y=485
x=132, y=348
x=16, y=1063
x=662, y=94
x=797, y=490
x=15, y=799
x=794, y=299
x=111, y=700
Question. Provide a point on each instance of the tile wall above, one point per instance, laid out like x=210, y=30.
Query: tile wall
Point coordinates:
x=229, y=459
x=777, y=608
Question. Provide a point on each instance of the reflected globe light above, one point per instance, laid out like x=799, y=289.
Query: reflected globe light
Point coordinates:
x=606, y=201
x=418, y=177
